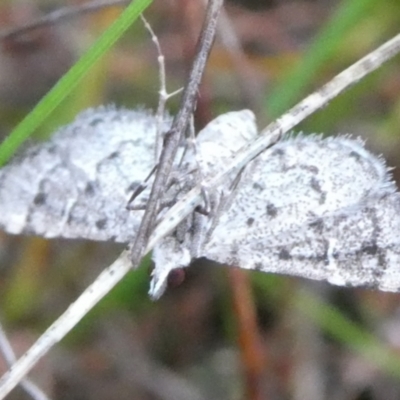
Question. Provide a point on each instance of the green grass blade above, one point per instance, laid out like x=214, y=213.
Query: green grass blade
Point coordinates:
x=71, y=79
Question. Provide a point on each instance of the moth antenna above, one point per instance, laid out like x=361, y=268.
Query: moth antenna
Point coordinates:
x=198, y=159
x=140, y=189
x=163, y=94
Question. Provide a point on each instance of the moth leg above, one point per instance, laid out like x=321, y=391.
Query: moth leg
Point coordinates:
x=224, y=202
x=205, y=209
x=198, y=233
x=141, y=206
x=140, y=189
x=177, y=179
x=180, y=179
x=202, y=224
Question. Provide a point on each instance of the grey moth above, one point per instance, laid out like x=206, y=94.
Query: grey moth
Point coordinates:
x=324, y=209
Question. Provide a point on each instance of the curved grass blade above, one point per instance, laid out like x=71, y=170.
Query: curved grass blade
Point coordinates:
x=71, y=79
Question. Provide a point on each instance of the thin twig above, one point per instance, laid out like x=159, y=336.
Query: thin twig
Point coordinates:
x=163, y=94
x=9, y=357
x=114, y=273
x=178, y=128
x=61, y=15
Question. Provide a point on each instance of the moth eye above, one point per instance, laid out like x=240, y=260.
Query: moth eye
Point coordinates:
x=176, y=277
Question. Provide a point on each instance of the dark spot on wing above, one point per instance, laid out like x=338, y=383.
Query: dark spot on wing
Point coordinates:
x=259, y=246
x=317, y=225
x=371, y=249
x=382, y=262
x=377, y=273
x=258, y=186
x=355, y=155
x=101, y=223
x=278, y=152
x=250, y=222
x=311, y=168
x=284, y=255
x=315, y=185
x=323, y=257
x=52, y=149
x=114, y=154
x=95, y=121
x=33, y=152
x=89, y=189
x=40, y=199
x=272, y=211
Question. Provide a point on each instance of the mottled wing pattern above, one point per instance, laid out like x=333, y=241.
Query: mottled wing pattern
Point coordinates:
x=323, y=209
x=77, y=185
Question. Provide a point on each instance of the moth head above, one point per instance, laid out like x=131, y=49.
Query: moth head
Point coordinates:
x=169, y=258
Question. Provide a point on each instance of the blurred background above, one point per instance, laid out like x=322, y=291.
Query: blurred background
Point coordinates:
x=223, y=333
